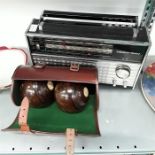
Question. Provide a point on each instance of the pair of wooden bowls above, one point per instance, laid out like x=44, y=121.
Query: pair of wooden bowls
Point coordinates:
x=70, y=97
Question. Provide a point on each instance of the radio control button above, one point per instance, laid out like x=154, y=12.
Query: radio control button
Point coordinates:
x=125, y=84
x=114, y=82
x=122, y=71
x=37, y=46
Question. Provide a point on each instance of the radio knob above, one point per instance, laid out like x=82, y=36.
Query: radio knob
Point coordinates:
x=123, y=71
x=114, y=82
x=125, y=84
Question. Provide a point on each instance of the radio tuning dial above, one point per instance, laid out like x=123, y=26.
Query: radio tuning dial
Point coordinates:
x=123, y=71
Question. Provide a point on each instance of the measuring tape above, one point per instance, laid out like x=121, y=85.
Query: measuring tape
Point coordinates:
x=70, y=139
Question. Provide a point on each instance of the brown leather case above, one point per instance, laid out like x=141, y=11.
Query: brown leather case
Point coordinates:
x=88, y=76
x=43, y=73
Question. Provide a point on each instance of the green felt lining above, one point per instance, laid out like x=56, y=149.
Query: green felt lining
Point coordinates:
x=52, y=119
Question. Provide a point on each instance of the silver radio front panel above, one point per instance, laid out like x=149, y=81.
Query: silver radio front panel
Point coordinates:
x=118, y=73
x=115, y=73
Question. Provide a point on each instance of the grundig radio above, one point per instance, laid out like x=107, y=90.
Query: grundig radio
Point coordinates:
x=115, y=44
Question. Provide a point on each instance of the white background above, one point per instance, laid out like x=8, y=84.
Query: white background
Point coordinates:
x=16, y=15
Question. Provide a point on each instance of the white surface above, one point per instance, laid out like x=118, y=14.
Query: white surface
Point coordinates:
x=16, y=15
x=9, y=60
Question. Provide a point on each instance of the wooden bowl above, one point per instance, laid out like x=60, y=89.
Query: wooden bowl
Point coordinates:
x=39, y=93
x=71, y=97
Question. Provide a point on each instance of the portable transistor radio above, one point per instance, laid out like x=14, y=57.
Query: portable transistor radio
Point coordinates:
x=116, y=45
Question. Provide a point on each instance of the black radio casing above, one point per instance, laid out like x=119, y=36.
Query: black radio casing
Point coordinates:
x=115, y=45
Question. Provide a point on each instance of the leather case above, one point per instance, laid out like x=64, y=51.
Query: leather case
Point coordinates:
x=51, y=119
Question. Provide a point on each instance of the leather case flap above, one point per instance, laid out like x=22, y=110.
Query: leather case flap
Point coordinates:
x=84, y=75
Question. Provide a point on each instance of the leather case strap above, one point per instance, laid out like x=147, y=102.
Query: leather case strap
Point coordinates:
x=23, y=115
x=70, y=139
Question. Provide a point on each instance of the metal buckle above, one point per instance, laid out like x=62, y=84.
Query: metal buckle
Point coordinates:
x=74, y=67
x=39, y=66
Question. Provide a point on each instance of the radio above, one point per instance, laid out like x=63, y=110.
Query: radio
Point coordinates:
x=115, y=44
